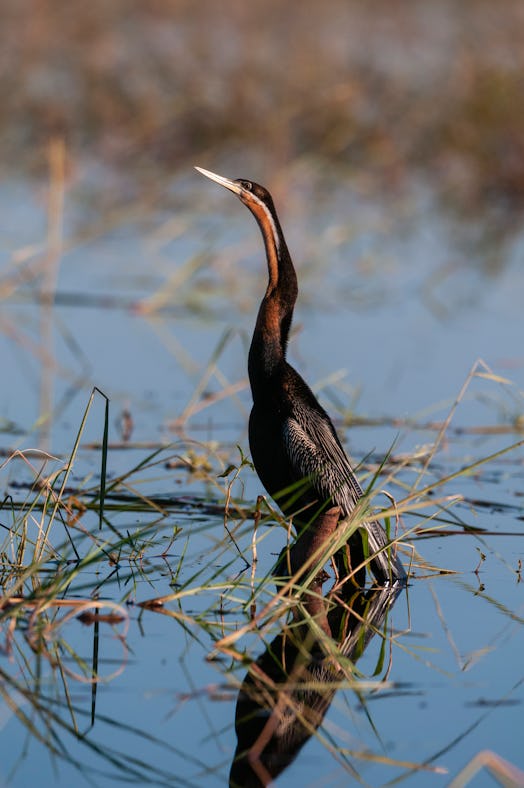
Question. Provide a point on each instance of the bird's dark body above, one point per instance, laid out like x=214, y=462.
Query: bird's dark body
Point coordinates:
x=303, y=466
x=295, y=448
x=287, y=401
x=268, y=425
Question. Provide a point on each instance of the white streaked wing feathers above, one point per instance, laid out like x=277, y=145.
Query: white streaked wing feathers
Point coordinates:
x=315, y=451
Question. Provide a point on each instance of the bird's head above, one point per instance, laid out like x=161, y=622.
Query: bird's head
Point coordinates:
x=251, y=194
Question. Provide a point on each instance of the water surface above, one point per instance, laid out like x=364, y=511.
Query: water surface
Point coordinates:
x=394, y=313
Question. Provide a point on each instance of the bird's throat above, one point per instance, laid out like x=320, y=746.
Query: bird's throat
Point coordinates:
x=267, y=353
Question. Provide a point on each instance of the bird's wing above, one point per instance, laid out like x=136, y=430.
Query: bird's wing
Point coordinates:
x=314, y=451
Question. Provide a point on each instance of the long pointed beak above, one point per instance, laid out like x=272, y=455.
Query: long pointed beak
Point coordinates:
x=229, y=184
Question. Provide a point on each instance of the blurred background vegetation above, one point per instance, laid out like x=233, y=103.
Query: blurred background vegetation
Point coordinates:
x=375, y=90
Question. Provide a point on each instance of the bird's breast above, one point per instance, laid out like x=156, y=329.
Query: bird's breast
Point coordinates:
x=268, y=450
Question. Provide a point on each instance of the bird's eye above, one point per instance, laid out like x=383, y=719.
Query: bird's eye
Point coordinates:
x=247, y=185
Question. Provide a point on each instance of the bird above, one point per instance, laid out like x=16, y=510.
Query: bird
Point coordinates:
x=295, y=448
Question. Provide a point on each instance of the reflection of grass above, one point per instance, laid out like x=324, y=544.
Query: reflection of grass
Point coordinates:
x=225, y=602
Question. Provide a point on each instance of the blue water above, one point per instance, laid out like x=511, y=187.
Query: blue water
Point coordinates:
x=393, y=314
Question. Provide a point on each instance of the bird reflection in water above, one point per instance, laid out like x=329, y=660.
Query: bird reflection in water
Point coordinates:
x=288, y=690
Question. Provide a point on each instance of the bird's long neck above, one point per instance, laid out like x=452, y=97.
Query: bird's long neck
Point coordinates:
x=268, y=346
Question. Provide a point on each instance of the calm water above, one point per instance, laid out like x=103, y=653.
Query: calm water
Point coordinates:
x=394, y=312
